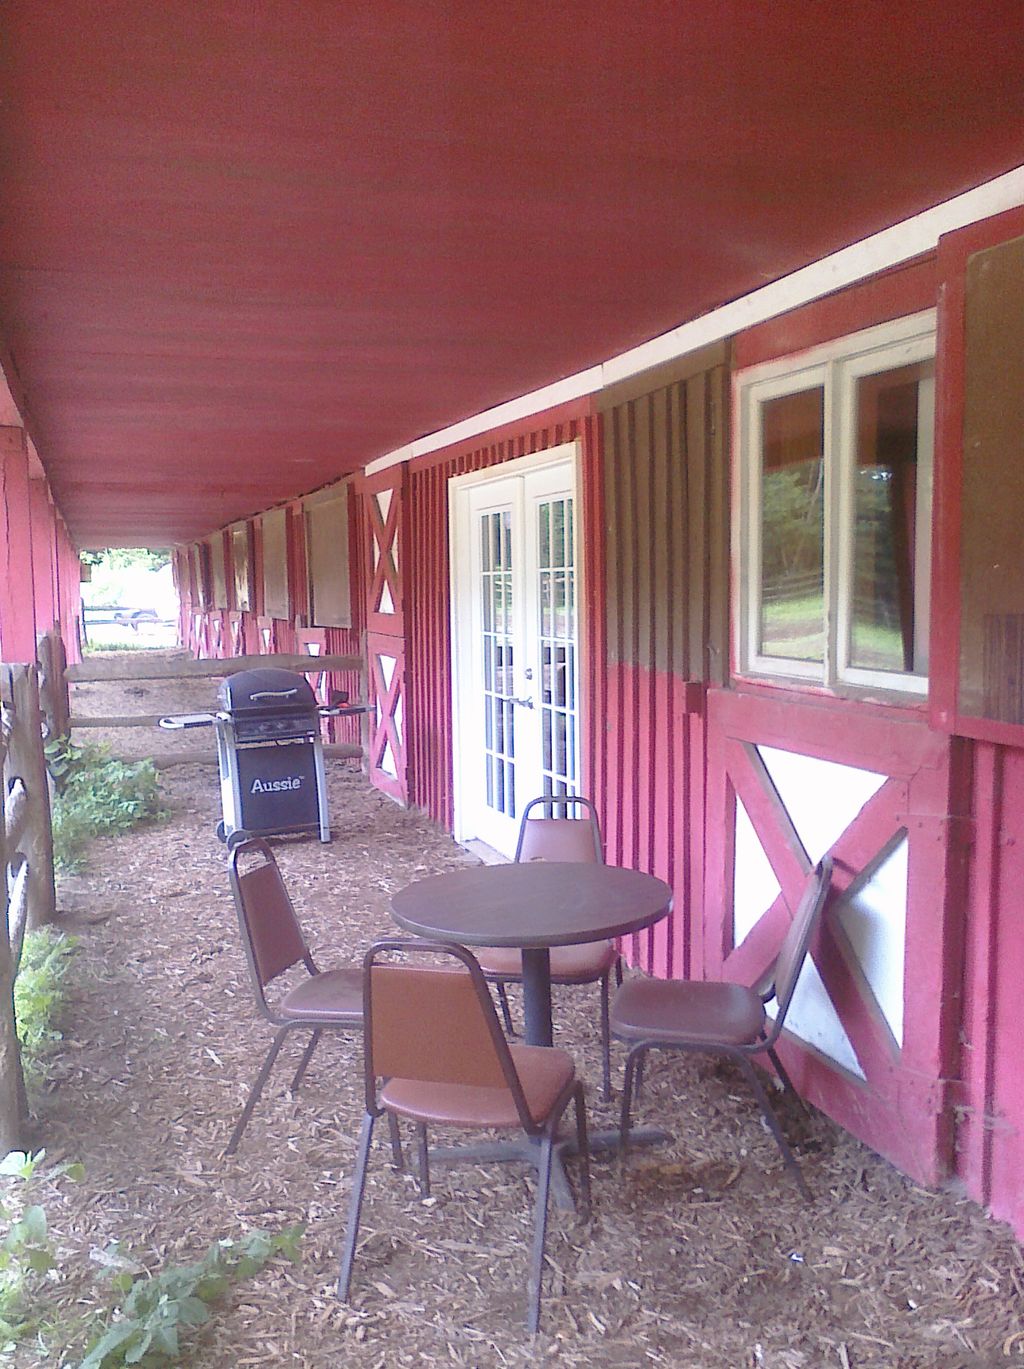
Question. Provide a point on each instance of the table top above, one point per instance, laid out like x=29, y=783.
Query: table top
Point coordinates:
x=538, y=903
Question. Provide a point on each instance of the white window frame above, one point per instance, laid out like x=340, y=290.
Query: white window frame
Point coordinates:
x=836, y=367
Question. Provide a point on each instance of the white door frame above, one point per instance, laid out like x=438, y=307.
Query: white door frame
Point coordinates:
x=461, y=584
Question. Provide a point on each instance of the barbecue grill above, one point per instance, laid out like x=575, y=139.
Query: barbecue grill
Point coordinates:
x=269, y=753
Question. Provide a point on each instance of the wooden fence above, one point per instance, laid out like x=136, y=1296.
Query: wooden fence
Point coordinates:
x=61, y=720
x=27, y=894
x=26, y=835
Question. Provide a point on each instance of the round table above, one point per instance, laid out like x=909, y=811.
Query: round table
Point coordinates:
x=532, y=906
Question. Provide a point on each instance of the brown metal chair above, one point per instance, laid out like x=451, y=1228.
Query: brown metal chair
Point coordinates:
x=576, y=840
x=273, y=941
x=722, y=1018
x=435, y=1053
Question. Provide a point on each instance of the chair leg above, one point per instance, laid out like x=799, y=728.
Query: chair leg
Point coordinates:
x=634, y=1061
x=582, y=1147
x=307, y=1056
x=397, y=1158
x=638, y=1083
x=255, y=1091
x=539, y=1234
x=788, y=1158
x=606, y=1039
x=423, y=1156
x=787, y=1083
x=356, y=1207
x=506, y=1013
x=618, y=972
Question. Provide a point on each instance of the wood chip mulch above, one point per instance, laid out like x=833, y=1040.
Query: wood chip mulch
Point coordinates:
x=701, y=1253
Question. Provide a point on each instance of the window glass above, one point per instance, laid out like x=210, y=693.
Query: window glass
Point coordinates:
x=837, y=452
x=886, y=477
x=792, y=526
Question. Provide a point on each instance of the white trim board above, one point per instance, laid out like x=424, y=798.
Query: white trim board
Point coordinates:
x=900, y=243
x=460, y=488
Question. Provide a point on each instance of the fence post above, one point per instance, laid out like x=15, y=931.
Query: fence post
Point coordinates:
x=53, y=684
x=13, y=1107
x=27, y=760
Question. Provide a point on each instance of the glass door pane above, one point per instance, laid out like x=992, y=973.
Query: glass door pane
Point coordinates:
x=792, y=619
x=498, y=649
x=556, y=645
x=886, y=518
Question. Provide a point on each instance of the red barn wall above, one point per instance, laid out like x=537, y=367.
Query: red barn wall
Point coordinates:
x=668, y=733
x=39, y=568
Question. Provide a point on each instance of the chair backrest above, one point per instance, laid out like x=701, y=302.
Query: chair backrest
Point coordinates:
x=433, y=1022
x=577, y=839
x=270, y=930
x=797, y=941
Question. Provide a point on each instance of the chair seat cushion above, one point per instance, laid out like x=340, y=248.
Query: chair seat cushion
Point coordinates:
x=569, y=964
x=686, y=1011
x=544, y=1071
x=333, y=996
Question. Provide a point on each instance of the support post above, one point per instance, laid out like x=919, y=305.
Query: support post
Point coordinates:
x=53, y=684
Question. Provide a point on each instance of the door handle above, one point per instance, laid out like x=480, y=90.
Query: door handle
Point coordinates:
x=520, y=703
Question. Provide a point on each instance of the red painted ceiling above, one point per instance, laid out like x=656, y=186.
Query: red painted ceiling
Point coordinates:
x=249, y=245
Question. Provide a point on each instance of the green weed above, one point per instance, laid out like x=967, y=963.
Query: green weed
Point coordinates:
x=26, y=1252
x=146, y=1328
x=39, y=991
x=97, y=795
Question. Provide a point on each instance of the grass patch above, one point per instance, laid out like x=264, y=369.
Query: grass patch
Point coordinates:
x=125, y=644
x=97, y=796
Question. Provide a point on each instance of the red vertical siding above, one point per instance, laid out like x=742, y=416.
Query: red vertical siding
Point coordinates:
x=991, y=1139
x=663, y=536
x=69, y=592
x=44, y=532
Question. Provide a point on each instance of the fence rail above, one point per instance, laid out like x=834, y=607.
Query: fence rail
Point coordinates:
x=207, y=668
x=57, y=679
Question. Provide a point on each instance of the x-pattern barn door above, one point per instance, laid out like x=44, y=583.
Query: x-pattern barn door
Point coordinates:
x=384, y=508
x=788, y=783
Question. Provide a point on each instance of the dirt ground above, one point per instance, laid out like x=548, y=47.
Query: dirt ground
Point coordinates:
x=701, y=1253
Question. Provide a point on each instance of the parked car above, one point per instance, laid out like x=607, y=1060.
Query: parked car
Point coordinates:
x=132, y=617
x=96, y=614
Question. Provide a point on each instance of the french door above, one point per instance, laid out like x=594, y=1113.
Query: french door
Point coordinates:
x=515, y=643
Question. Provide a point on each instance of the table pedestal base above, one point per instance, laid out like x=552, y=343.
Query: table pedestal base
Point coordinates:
x=522, y=1150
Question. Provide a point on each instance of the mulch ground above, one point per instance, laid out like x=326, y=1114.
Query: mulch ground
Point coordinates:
x=701, y=1253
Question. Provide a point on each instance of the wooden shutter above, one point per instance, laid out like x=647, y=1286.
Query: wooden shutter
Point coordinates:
x=276, y=602
x=330, y=599
x=664, y=481
x=218, y=571
x=991, y=665
x=200, y=559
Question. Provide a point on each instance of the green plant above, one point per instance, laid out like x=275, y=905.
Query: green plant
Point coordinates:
x=26, y=1254
x=145, y=1329
x=39, y=990
x=97, y=795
